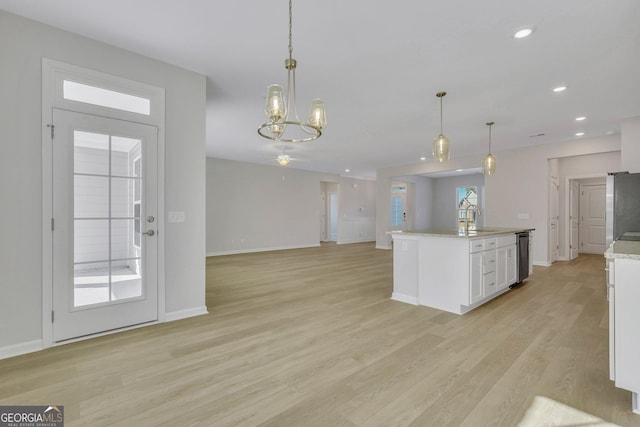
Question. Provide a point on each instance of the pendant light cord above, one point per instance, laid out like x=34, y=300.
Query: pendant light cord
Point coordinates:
x=440, y=115
x=490, y=124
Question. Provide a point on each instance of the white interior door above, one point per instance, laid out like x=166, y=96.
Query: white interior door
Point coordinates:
x=574, y=220
x=554, y=216
x=592, y=221
x=104, y=234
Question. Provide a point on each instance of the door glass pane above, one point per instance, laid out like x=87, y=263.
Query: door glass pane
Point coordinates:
x=91, y=240
x=396, y=211
x=126, y=279
x=124, y=152
x=90, y=153
x=91, y=283
x=91, y=196
x=107, y=211
x=121, y=194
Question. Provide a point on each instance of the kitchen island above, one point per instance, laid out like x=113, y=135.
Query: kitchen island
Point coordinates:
x=623, y=266
x=453, y=269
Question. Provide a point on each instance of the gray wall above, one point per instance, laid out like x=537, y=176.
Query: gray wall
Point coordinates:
x=23, y=43
x=253, y=207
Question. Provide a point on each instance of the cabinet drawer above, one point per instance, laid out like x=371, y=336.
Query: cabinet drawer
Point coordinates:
x=506, y=240
x=489, y=263
x=489, y=284
x=490, y=243
x=476, y=245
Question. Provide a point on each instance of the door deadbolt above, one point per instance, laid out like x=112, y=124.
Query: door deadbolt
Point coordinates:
x=150, y=219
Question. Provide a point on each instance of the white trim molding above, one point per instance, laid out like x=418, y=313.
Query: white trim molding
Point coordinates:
x=20, y=349
x=183, y=314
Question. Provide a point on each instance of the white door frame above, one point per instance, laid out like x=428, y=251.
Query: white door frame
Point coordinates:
x=53, y=73
x=585, y=224
x=567, y=195
x=554, y=218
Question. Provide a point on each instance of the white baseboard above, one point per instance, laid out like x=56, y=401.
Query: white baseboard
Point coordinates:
x=183, y=314
x=404, y=298
x=347, y=242
x=387, y=247
x=19, y=349
x=542, y=263
x=248, y=251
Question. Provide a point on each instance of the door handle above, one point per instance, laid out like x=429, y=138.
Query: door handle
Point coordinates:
x=149, y=233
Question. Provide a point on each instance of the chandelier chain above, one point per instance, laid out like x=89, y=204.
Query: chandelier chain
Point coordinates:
x=290, y=32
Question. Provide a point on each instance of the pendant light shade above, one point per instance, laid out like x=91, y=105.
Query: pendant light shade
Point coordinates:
x=489, y=161
x=441, y=143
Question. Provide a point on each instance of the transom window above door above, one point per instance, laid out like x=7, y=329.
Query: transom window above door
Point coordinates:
x=94, y=95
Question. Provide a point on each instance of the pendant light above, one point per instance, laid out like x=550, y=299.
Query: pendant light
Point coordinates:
x=489, y=161
x=278, y=127
x=441, y=143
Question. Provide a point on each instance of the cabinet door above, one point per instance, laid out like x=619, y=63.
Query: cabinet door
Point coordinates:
x=512, y=264
x=502, y=268
x=475, y=281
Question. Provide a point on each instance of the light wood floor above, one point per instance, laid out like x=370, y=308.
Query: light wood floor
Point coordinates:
x=310, y=337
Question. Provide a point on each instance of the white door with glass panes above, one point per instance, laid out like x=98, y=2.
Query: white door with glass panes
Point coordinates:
x=398, y=206
x=105, y=250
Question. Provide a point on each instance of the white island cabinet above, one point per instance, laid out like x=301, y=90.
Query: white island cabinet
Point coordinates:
x=624, y=317
x=452, y=270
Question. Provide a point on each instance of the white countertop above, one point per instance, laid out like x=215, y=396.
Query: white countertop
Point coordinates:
x=624, y=248
x=480, y=232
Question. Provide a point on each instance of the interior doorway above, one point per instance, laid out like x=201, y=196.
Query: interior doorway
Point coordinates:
x=329, y=200
x=586, y=207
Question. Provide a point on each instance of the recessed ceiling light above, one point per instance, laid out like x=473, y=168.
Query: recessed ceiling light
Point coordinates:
x=459, y=170
x=579, y=133
x=559, y=89
x=581, y=118
x=522, y=33
x=610, y=132
x=347, y=170
x=423, y=158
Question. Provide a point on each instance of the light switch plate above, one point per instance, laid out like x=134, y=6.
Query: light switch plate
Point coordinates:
x=177, y=216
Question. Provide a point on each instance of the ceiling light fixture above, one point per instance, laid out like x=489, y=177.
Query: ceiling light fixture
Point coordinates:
x=489, y=161
x=522, y=33
x=559, y=89
x=278, y=106
x=581, y=118
x=441, y=143
x=580, y=134
x=283, y=159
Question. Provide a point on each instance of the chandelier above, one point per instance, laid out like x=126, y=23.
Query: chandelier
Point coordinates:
x=489, y=161
x=279, y=125
x=441, y=143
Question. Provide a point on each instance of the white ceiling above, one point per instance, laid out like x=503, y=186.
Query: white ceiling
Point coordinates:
x=378, y=66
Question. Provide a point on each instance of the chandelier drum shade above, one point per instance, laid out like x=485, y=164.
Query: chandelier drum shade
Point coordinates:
x=283, y=123
x=441, y=143
x=489, y=161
